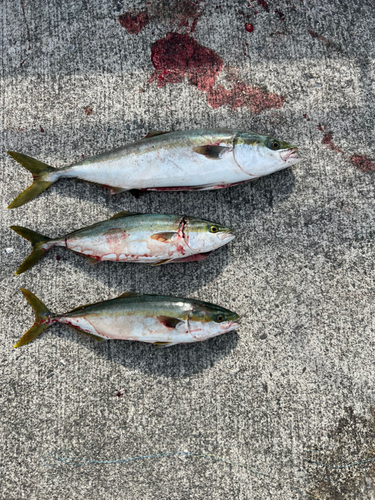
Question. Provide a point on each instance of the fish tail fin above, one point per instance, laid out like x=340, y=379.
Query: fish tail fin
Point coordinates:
x=38, y=241
x=41, y=176
x=41, y=323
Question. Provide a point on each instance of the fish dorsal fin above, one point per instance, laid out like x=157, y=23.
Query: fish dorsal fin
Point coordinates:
x=152, y=133
x=129, y=294
x=212, y=152
x=123, y=214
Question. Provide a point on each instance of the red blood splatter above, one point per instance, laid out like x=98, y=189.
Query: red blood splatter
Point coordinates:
x=189, y=14
x=280, y=14
x=263, y=4
x=119, y=394
x=177, y=56
x=243, y=95
x=314, y=34
x=58, y=257
x=249, y=27
x=327, y=140
x=82, y=156
x=304, y=115
x=359, y=161
x=362, y=162
x=133, y=23
x=88, y=110
x=41, y=129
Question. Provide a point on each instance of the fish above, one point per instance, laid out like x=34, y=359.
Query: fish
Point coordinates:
x=170, y=161
x=135, y=237
x=160, y=320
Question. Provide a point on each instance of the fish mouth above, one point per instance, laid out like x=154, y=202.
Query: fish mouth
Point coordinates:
x=290, y=154
x=227, y=236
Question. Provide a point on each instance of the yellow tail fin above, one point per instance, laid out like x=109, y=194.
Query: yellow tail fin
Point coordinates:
x=39, y=171
x=41, y=319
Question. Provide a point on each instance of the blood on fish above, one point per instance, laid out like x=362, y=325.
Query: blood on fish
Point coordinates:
x=178, y=56
x=133, y=23
x=193, y=258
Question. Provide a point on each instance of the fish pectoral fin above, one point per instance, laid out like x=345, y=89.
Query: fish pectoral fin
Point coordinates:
x=157, y=345
x=170, y=321
x=124, y=213
x=129, y=294
x=114, y=190
x=212, y=152
x=161, y=262
x=152, y=133
x=163, y=237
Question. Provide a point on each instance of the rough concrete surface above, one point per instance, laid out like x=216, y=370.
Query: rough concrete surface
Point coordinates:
x=295, y=384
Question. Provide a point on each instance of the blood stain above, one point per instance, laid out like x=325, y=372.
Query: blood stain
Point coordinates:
x=88, y=110
x=133, y=23
x=249, y=27
x=178, y=56
x=328, y=141
x=119, y=394
x=362, y=162
x=280, y=14
x=58, y=257
x=41, y=129
x=264, y=4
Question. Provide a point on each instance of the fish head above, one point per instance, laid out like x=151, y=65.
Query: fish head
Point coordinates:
x=204, y=236
x=259, y=155
x=212, y=320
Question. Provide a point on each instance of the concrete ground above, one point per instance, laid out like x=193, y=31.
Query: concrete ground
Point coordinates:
x=291, y=394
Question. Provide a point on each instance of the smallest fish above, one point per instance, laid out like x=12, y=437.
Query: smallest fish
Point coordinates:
x=133, y=237
x=156, y=319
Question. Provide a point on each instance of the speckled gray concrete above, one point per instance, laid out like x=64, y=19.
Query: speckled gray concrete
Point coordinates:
x=299, y=373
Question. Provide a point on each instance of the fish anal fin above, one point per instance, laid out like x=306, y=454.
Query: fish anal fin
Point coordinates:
x=163, y=237
x=212, y=152
x=153, y=133
x=124, y=213
x=169, y=321
x=92, y=335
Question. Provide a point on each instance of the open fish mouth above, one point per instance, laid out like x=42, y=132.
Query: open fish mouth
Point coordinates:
x=289, y=154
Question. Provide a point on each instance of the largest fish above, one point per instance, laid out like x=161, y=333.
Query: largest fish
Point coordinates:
x=155, y=319
x=171, y=161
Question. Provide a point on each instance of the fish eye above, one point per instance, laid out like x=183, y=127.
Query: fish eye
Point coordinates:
x=275, y=145
x=214, y=229
x=219, y=318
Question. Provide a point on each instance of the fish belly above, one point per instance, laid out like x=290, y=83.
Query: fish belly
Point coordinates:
x=121, y=246
x=178, y=167
x=130, y=327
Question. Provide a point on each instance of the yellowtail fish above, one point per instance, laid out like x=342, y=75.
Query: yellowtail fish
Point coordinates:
x=156, y=319
x=132, y=237
x=170, y=161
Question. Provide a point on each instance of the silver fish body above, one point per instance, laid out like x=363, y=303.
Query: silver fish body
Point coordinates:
x=182, y=160
x=160, y=320
x=133, y=237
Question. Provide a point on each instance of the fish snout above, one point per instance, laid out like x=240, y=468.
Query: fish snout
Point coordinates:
x=290, y=155
x=227, y=236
